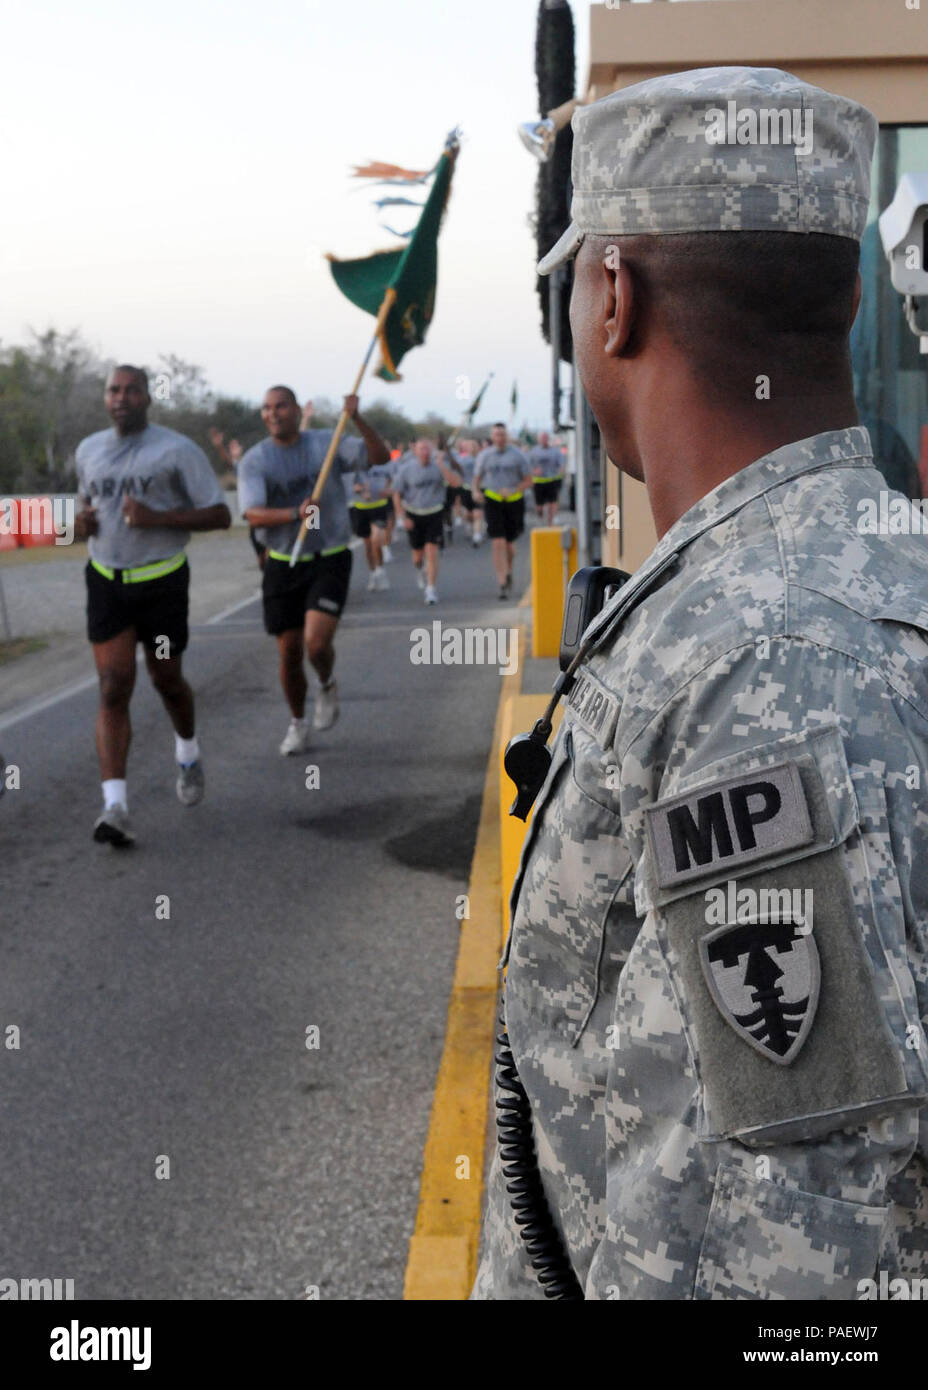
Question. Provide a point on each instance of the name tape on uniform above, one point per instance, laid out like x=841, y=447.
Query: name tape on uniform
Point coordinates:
x=594, y=707
x=728, y=823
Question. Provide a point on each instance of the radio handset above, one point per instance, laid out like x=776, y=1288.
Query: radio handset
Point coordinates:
x=528, y=758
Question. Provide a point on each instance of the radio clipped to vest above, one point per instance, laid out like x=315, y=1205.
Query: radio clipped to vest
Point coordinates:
x=528, y=757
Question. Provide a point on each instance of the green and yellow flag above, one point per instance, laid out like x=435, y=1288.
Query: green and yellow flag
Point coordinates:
x=412, y=271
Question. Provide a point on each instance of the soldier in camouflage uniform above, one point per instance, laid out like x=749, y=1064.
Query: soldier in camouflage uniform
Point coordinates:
x=717, y=976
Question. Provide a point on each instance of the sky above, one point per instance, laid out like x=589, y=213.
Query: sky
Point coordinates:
x=174, y=174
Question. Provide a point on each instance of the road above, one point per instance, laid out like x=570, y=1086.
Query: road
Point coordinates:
x=153, y=1045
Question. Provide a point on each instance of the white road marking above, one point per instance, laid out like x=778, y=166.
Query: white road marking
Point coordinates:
x=44, y=702
x=56, y=697
x=77, y=687
x=236, y=608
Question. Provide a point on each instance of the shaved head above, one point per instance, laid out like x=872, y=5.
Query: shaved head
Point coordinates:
x=126, y=398
x=139, y=373
x=288, y=392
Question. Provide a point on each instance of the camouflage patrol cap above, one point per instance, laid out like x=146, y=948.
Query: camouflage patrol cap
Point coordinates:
x=730, y=149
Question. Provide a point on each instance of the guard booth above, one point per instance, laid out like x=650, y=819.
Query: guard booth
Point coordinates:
x=873, y=51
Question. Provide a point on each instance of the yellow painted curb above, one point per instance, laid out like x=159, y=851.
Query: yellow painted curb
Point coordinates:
x=442, y=1259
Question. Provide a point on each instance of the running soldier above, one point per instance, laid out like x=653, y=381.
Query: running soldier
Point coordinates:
x=369, y=516
x=465, y=460
x=501, y=478
x=419, y=497
x=547, y=465
x=303, y=603
x=144, y=489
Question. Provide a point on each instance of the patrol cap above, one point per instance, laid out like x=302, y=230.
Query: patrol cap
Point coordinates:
x=730, y=149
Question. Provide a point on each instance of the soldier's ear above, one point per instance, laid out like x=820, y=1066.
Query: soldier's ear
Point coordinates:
x=618, y=306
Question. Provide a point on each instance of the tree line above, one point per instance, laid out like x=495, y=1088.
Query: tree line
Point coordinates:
x=51, y=396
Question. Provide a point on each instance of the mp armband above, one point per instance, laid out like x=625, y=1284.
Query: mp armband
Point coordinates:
x=759, y=886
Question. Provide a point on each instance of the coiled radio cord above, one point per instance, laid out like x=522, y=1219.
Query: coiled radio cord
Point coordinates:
x=542, y=1240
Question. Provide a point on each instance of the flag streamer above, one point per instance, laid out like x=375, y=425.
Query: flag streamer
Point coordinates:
x=411, y=271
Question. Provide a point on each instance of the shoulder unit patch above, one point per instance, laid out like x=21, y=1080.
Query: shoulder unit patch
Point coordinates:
x=764, y=978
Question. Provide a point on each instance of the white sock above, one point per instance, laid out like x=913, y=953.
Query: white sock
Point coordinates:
x=299, y=720
x=114, y=792
x=186, y=750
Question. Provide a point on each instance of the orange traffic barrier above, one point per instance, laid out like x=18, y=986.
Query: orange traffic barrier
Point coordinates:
x=36, y=521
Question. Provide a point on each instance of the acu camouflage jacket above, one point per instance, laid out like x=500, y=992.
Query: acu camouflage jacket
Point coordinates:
x=717, y=977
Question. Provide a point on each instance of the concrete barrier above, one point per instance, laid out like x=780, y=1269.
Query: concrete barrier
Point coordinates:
x=549, y=585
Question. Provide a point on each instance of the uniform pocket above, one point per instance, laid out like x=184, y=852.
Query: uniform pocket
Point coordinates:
x=771, y=1242
x=573, y=865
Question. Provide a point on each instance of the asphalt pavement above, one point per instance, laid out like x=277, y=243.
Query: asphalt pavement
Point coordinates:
x=167, y=1132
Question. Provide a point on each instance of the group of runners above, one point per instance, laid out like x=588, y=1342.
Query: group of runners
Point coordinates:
x=144, y=488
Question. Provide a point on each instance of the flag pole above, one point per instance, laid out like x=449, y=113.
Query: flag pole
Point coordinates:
x=388, y=302
x=471, y=411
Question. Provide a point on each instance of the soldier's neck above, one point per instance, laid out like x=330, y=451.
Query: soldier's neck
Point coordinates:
x=689, y=447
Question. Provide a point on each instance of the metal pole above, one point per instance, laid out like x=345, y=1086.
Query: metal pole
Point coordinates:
x=582, y=457
x=555, y=282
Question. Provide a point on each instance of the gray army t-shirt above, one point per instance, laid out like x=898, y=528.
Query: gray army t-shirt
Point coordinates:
x=500, y=470
x=464, y=464
x=283, y=475
x=157, y=466
x=420, y=485
x=549, y=462
x=378, y=479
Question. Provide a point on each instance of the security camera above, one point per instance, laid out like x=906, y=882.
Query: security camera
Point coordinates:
x=904, y=233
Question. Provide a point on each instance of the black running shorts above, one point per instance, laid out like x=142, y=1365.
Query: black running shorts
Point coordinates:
x=505, y=520
x=156, y=608
x=289, y=593
x=426, y=530
x=362, y=518
x=546, y=492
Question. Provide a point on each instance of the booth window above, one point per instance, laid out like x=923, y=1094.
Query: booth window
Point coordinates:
x=889, y=372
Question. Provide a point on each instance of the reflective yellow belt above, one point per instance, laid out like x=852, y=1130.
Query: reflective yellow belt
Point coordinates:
x=554, y=478
x=365, y=506
x=142, y=572
x=278, y=555
x=498, y=497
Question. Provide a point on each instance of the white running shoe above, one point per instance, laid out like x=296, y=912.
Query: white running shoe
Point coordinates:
x=191, y=783
x=431, y=594
x=112, y=827
x=372, y=581
x=420, y=578
x=326, y=710
x=383, y=581
x=296, y=739
x=387, y=554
